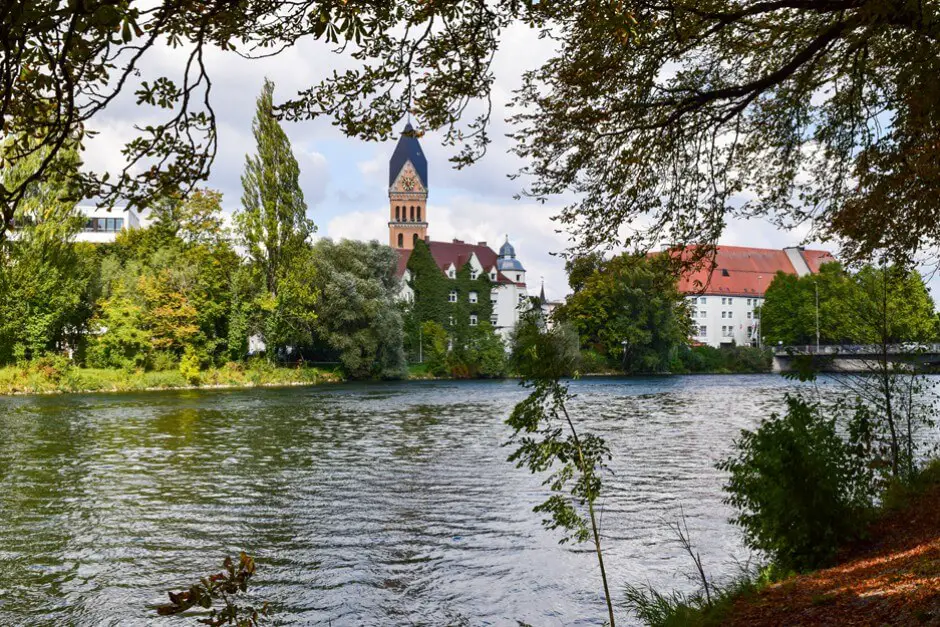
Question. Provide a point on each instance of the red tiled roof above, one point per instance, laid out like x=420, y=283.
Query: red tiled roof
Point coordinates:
x=816, y=258
x=457, y=253
x=749, y=270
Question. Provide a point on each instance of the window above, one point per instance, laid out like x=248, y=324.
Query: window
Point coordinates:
x=701, y=301
x=397, y=214
x=419, y=213
x=702, y=314
x=492, y=299
x=450, y=320
x=401, y=240
x=521, y=298
x=452, y=297
x=749, y=315
x=723, y=314
x=492, y=276
x=412, y=213
x=518, y=278
x=750, y=332
x=724, y=272
x=473, y=297
x=414, y=240
x=473, y=320
x=451, y=274
x=730, y=314
x=474, y=274
x=756, y=315
x=748, y=302
x=702, y=331
x=493, y=319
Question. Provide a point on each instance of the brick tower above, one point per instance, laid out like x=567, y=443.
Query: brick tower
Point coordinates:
x=407, y=192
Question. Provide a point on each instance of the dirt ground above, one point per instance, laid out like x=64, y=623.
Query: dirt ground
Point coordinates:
x=891, y=578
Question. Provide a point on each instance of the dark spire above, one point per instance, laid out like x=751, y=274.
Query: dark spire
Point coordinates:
x=408, y=149
x=542, y=299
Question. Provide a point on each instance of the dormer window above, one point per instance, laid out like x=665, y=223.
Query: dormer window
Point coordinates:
x=492, y=276
x=474, y=274
x=451, y=274
x=724, y=272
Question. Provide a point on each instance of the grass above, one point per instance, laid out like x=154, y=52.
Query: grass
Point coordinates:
x=48, y=379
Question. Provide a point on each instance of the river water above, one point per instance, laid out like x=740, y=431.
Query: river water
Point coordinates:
x=379, y=504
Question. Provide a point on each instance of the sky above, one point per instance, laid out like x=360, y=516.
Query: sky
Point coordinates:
x=345, y=179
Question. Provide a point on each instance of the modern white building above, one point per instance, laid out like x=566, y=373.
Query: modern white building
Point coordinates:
x=725, y=299
x=102, y=226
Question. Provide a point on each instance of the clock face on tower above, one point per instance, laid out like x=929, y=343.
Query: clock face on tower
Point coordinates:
x=408, y=180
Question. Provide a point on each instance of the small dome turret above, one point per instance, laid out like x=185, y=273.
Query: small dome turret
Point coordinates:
x=507, y=258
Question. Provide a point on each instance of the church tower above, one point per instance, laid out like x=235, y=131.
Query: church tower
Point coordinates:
x=407, y=192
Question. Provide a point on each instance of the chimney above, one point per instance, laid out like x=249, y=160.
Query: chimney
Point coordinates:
x=458, y=241
x=481, y=243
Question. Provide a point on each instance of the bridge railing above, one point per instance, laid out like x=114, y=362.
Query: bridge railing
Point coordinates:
x=906, y=348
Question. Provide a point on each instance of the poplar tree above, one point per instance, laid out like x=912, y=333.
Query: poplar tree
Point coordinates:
x=273, y=227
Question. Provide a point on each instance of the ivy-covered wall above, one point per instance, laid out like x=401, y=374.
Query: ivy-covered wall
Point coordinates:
x=432, y=290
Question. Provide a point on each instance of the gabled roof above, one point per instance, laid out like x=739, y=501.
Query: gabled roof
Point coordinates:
x=746, y=271
x=458, y=253
x=408, y=149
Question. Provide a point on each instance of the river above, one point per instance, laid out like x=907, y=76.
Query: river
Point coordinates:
x=364, y=504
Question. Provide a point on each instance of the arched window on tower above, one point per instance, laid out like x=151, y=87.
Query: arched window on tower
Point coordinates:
x=412, y=213
x=419, y=213
x=401, y=240
x=414, y=240
x=397, y=214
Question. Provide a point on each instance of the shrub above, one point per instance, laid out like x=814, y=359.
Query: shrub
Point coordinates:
x=190, y=366
x=592, y=362
x=799, y=488
x=164, y=360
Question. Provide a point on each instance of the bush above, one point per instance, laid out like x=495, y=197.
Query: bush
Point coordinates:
x=799, y=488
x=164, y=360
x=592, y=362
x=190, y=366
x=738, y=359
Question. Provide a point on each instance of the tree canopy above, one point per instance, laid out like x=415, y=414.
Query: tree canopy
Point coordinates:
x=628, y=309
x=673, y=115
x=868, y=307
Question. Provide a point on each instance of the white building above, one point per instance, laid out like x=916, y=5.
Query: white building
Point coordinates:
x=725, y=299
x=102, y=226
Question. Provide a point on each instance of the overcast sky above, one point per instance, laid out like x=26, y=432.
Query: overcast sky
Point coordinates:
x=345, y=180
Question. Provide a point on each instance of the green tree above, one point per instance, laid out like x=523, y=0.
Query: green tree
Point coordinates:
x=273, y=227
x=358, y=317
x=121, y=340
x=851, y=307
x=46, y=279
x=548, y=440
x=646, y=124
x=631, y=310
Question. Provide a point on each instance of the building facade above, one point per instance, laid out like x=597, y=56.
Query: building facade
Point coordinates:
x=725, y=300
x=102, y=226
x=408, y=223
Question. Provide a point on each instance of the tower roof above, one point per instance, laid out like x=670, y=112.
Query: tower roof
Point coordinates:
x=408, y=149
x=507, y=258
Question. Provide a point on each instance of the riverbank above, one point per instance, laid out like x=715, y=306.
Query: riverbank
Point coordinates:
x=54, y=379
x=892, y=577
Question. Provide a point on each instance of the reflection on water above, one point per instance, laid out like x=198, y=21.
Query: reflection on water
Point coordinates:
x=385, y=504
